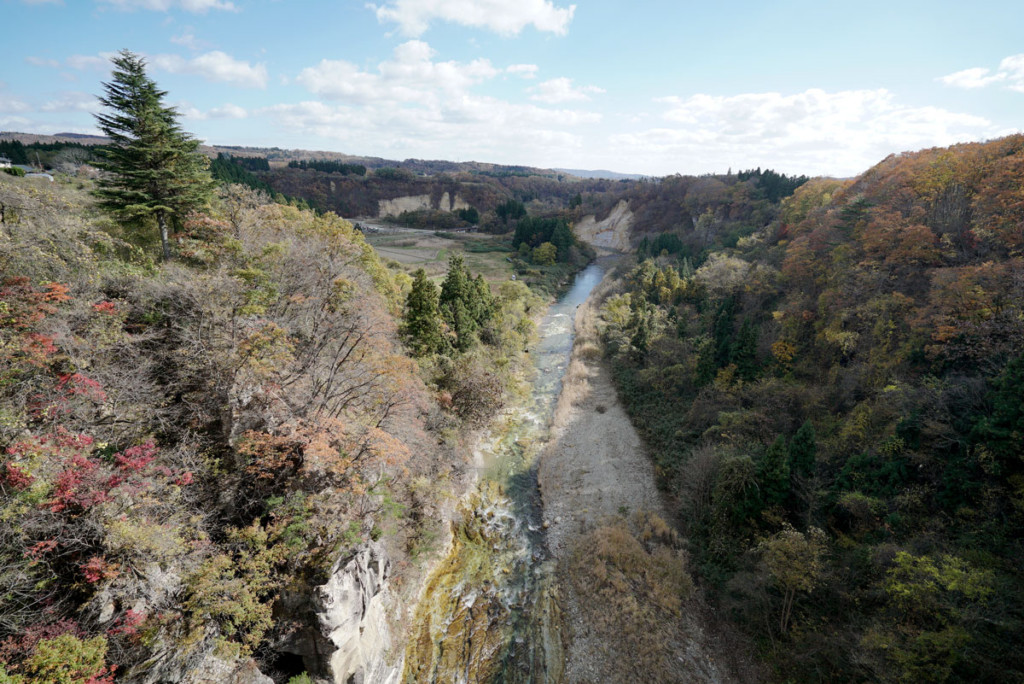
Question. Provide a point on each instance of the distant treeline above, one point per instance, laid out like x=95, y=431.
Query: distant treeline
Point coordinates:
x=43, y=153
x=249, y=163
x=775, y=186
x=328, y=166
x=228, y=169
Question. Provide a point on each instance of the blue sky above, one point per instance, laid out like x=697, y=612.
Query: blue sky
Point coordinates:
x=642, y=87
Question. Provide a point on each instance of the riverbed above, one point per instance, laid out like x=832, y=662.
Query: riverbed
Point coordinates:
x=491, y=611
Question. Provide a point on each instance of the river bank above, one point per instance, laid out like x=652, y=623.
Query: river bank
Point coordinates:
x=596, y=483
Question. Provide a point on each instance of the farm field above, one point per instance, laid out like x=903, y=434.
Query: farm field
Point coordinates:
x=415, y=248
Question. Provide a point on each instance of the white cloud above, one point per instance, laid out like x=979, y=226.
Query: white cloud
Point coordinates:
x=42, y=62
x=84, y=62
x=73, y=101
x=188, y=40
x=218, y=66
x=814, y=132
x=225, y=111
x=412, y=105
x=475, y=127
x=213, y=66
x=10, y=104
x=523, y=70
x=197, y=6
x=505, y=17
x=410, y=76
x=1010, y=72
x=559, y=90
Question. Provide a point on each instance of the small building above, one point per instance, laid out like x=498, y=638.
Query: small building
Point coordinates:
x=5, y=163
x=44, y=176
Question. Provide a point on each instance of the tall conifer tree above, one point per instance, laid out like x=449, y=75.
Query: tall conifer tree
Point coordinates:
x=154, y=172
x=422, y=327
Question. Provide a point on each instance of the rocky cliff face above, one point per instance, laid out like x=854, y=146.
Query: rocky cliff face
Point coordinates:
x=394, y=207
x=609, y=233
x=346, y=637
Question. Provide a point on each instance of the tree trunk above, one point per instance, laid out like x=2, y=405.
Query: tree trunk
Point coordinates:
x=161, y=219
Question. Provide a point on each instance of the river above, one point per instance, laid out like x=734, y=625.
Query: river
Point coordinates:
x=490, y=611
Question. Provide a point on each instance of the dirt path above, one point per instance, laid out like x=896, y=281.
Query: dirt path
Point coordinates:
x=595, y=468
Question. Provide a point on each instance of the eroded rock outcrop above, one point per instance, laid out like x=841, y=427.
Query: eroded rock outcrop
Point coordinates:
x=611, y=232
x=398, y=205
x=346, y=636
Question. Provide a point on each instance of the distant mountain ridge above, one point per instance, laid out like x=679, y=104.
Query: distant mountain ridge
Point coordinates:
x=602, y=173
x=428, y=167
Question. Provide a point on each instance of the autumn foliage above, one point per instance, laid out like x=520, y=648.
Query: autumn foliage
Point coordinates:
x=835, y=401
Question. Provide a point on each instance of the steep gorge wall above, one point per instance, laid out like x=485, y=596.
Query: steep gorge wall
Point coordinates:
x=398, y=205
x=611, y=232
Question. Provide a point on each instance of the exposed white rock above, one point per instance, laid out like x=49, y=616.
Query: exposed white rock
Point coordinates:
x=394, y=207
x=611, y=232
x=352, y=608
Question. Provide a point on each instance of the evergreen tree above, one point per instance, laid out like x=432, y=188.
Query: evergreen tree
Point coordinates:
x=457, y=294
x=722, y=331
x=482, y=303
x=422, y=326
x=154, y=169
x=562, y=238
x=743, y=351
x=802, y=451
x=1001, y=432
x=773, y=474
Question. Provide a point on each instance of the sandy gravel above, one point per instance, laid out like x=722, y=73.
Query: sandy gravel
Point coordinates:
x=595, y=467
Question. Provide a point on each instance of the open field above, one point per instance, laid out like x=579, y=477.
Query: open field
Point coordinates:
x=414, y=248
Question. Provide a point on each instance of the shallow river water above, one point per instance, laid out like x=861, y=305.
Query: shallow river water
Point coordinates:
x=489, y=612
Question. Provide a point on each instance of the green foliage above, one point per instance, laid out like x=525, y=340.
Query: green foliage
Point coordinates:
x=329, y=166
x=67, y=659
x=802, y=451
x=1000, y=434
x=226, y=169
x=236, y=590
x=422, y=326
x=773, y=474
x=510, y=210
x=775, y=186
x=155, y=170
x=15, y=171
x=545, y=254
x=891, y=306
x=465, y=303
x=470, y=215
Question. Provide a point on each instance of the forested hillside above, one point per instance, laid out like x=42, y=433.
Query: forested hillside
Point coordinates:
x=191, y=448
x=834, y=402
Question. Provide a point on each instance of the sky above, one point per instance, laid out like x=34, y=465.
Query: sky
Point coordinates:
x=649, y=87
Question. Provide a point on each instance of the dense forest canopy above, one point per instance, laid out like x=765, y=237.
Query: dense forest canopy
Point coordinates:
x=834, y=402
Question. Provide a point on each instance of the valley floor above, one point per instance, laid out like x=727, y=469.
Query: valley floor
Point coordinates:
x=593, y=472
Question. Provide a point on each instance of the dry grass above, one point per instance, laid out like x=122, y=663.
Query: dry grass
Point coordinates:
x=415, y=249
x=632, y=582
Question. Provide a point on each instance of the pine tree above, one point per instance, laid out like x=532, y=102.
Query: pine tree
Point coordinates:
x=154, y=169
x=422, y=327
